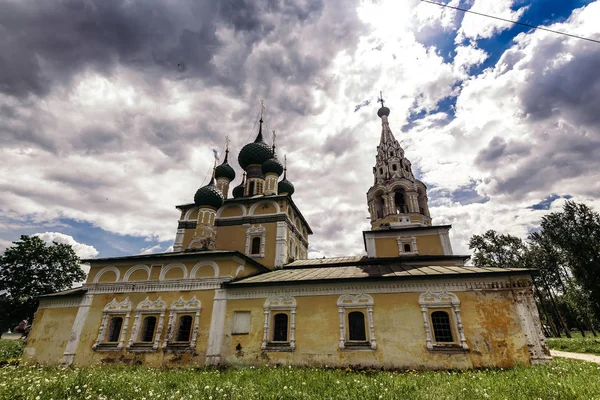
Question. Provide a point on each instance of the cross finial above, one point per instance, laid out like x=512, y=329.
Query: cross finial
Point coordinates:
x=262, y=109
x=274, y=136
x=381, y=98
x=227, y=140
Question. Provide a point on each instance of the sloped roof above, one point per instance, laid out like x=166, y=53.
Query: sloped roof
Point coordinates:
x=377, y=272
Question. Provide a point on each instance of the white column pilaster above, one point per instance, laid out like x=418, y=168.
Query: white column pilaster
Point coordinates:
x=217, y=327
x=76, y=329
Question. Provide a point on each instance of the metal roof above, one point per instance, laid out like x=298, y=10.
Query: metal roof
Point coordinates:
x=325, y=261
x=300, y=275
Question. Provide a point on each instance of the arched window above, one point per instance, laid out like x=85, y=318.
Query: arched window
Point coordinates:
x=280, y=328
x=407, y=248
x=400, y=200
x=251, y=188
x=356, y=325
x=255, y=246
x=442, y=329
x=147, y=333
x=379, y=207
x=114, y=329
x=184, y=328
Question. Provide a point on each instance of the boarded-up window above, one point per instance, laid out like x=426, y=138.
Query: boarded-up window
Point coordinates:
x=241, y=322
x=114, y=329
x=280, y=328
x=184, y=329
x=356, y=323
x=147, y=334
x=442, y=329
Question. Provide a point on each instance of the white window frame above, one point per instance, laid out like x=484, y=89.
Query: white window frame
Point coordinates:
x=112, y=309
x=411, y=240
x=433, y=301
x=146, y=308
x=251, y=233
x=358, y=302
x=279, y=303
x=179, y=307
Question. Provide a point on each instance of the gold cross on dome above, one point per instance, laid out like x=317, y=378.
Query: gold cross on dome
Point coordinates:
x=227, y=140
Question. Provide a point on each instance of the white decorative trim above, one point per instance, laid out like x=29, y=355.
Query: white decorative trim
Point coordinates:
x=217, y=328
x=239, y=270
x=279, y=303
x=271, y=202
x=178, y=243
x=429, y=300
x=131, y=270
x=446, y=244
x=201, y=264
x=188, y=213
x=251, y=233
x=370, y=244
x=410, y=240
x=112, y=308
x=181, y=306
x=169, y=285
x=456, y=285
x=281, y=244
x=148, y=307
x=226, y=206
x=531, y=326
x=76, y=329
x=167, y=268
x=70, y=302
x=360, y=301
x=106, y=269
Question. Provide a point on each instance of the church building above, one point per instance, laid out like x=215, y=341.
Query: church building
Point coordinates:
x=239, y=289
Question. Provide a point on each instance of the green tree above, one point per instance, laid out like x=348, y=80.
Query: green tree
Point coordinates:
x=29, y=269
x=498, y=250
x=575, y=231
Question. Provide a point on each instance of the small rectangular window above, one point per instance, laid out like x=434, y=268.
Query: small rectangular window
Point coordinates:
x=114, y=329
x=255, y=246
x=442, y=329
x=241, y=323
x=280, y=328
x=184, y=328
x=394, y=167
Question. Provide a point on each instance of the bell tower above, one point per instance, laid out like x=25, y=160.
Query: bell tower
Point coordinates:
x=396, y=197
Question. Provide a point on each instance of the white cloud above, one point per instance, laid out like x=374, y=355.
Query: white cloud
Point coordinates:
x=82, y=250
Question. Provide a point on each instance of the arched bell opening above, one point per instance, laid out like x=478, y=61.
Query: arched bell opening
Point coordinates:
x=400, y=201
x=379, y=206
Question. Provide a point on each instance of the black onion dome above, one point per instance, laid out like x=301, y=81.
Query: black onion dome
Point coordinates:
x=285, y=186
x=209, y=195
x=383, y=111
x=225, y=170
x=238, y=191
x=255, y=153
x=272, y=165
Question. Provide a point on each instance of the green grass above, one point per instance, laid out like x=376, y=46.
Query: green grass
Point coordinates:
x=10, y=350
x=577, y=344
x=562, y=379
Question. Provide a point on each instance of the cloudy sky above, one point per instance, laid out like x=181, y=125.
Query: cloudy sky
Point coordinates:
x=109, y=111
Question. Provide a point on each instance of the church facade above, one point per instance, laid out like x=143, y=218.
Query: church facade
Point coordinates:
x=239, y=289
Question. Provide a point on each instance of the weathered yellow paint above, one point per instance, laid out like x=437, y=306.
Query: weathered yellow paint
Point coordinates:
x=175, y=273
x=430, y=244
x=139, y=275
x=232, y=211
x=49, y=335
x=386, y=247
x=108, y=276
x=491, y=326
x=426, y=245
x=265, y=208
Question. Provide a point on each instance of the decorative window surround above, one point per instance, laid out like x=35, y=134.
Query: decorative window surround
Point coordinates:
x=112, y=309
x=147, y=307
x=432, y=301
x=410, y=240
x=178, y=308
x=251, y=233
x=279, y=303
x=356, y=302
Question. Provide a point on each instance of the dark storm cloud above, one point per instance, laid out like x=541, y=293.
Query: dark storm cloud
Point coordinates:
x=499, y=151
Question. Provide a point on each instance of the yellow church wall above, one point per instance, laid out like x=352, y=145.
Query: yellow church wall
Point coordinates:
x=138, y=275
x=50, y=332
x=108, y=276
x=85, y=355
x=386, y=247
x=265, y=208
x=430, y=245
x=234, y=238
x=232, y=211
x=490, y=321
x=426, y=245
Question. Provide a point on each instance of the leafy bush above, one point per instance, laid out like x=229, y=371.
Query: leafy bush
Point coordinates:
x=10, y=350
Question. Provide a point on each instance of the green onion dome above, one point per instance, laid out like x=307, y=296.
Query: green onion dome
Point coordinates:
x=272, y=165
x=209, y=196
x=255, y=153
x=284, y=186
x=238, y=191
x=225, y=170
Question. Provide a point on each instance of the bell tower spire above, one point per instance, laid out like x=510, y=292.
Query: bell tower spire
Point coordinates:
x=396, y=197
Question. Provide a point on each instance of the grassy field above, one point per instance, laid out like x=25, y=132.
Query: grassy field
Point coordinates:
x=563, y=379
x=577, y=344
